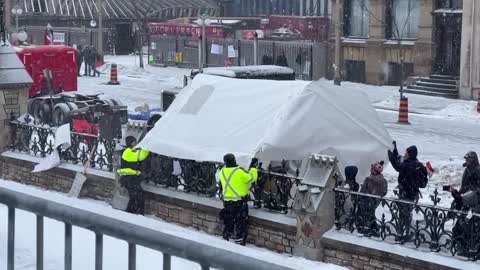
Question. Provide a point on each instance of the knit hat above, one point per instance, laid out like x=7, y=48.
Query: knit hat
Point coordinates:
x=412, y=152
x=377, y=168
x=229, y=160
x=351, y=172
x=130, y=140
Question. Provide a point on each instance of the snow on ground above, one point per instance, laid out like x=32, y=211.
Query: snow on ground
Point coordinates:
x=115, y=251
x=444, y=130
x=137, y=86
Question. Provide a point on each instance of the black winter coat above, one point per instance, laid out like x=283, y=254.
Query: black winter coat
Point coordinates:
x=471, y=178
x=410, y=173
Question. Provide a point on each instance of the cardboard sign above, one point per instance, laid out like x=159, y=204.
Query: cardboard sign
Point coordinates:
x=232, y=53
x=58, y=37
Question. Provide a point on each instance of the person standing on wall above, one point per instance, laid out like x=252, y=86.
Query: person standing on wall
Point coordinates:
x=236, y=183
x=132, y=163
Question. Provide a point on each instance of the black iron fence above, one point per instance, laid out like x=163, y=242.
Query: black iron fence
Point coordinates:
x=85, y=148
x=275, y=188
x=410, y=223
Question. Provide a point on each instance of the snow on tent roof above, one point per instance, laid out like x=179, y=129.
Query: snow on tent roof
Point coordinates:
x=271, y=120
x=249, y=71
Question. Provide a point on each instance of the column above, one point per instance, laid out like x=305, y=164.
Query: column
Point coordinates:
x=469, y=65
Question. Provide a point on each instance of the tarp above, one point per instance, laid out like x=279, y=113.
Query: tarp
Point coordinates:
x=271, y=120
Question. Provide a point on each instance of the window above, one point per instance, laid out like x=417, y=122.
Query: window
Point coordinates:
x=454, y=4
x=356, y=18
x=404, y=18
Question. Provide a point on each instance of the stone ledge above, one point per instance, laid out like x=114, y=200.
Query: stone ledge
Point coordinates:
x=392, y=253
x=213, y=206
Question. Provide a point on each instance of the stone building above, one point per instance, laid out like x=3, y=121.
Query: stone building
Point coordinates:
x=470, y=59
x=428, y=30
x=14, y=84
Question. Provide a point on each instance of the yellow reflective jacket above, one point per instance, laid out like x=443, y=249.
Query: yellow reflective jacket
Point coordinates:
x=236, y=182
x=131, y=161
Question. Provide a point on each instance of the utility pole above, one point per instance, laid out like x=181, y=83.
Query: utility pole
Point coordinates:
x=100, y=29
x=338, y=27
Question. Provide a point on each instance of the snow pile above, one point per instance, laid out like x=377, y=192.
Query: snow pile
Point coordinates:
x=115, y=251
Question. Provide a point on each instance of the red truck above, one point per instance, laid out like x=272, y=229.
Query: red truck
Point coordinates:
x=60, y=59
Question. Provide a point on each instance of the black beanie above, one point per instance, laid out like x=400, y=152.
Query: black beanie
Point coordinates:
x=229, y=160
x=130, y=140
x=412, y=152
x=351, y=172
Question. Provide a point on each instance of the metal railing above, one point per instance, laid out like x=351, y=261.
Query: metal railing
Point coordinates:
x=405, y=222
x=274, y=190
x=206, y=256
x=40, y=141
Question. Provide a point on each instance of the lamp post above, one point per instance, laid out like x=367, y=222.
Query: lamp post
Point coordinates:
x=203, y=21
x=100, y=29
x=93, y=24
x=17, y=10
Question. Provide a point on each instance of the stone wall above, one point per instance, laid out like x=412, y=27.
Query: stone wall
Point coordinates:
x=357, y=255
x=203, y=215
x=58, y=179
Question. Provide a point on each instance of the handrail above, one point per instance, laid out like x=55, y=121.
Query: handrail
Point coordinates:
x=170, y=245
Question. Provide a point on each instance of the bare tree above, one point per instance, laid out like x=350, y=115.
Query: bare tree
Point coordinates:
x=398, y=30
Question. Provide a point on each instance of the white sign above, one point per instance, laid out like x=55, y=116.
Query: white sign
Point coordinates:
x=216, y=49
x=58, y=37
x=232, y=53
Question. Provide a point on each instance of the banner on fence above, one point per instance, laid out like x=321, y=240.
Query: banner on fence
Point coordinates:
x=58, y=37
x=232, y=53
x=216, y=49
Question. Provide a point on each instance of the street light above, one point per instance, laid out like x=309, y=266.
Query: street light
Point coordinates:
x=93, y=23
x=203, y=21
x=17, y=10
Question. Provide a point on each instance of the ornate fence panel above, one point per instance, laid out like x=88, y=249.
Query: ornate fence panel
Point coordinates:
x=40, y=141
x=410, y=223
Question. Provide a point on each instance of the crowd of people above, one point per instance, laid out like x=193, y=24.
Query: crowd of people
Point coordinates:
x=412, y=177
x=89, y=56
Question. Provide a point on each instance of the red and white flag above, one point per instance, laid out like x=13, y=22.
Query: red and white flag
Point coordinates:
x=430, y=169
x=47, y=39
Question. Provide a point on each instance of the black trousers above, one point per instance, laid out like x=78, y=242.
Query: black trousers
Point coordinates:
x=235, y=219
x=136, y=204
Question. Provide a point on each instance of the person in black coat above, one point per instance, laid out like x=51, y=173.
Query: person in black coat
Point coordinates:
x=471, y=175
x=350, y=178
x=412, y=175
x=79, y=59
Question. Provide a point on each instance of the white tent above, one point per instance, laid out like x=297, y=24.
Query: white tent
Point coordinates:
x=271, y=120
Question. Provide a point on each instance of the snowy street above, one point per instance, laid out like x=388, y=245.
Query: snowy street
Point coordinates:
x=444, y=130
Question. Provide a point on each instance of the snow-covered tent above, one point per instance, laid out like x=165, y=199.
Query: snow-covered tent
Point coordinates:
x=271, y=120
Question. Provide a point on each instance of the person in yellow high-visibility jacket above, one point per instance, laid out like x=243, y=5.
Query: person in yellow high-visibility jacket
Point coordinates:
x=235, y=190
x=130, y=171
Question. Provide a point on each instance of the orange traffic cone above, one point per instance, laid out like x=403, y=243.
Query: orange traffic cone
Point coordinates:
x=113, y=75
x=403, y=112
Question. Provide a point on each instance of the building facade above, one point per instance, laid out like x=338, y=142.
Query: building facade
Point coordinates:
x=246, y=8
x=470, y=56
x=378, y=35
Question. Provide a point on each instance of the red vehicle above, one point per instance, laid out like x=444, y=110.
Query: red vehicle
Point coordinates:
x=60, y=59
x=186, y=29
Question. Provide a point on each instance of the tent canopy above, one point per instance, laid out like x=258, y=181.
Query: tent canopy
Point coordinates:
x=270, y=120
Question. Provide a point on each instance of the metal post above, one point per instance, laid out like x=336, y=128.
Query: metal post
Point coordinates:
x=98, y=251
x=255, y=49
x=132, y=256
x=11, y=239
x=167, y=261
x=204, y=45
x=39, y=242
x=100, y=29
x=16, y=23
x=338, y=27
x=68, y=246
x=200, y=65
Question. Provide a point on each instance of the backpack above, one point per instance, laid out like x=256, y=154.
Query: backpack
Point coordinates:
x=421, y=176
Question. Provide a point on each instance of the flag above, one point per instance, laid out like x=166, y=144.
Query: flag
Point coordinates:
x=47, y=39
x=430, y=169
